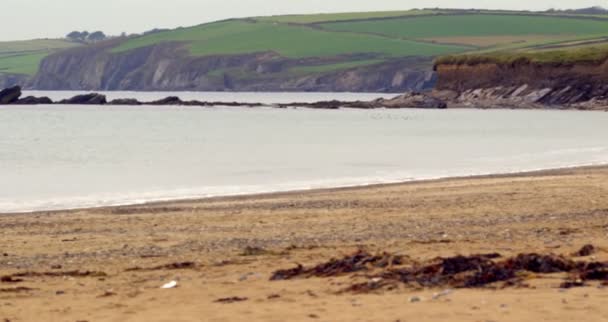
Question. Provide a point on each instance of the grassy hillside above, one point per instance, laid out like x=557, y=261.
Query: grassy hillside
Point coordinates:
x=596, y=53
x=237, y=37
x=325, y=17
x=380, y=36
x=23, y=57
x=471, y=28
x=387, y=35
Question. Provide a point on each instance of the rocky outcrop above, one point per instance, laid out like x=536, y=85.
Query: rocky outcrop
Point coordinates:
x=10, y=95
x=407, y=100
x=32, y=100
x=524, y=84
x=86, y=99
x=170, y=67
x=413, y=99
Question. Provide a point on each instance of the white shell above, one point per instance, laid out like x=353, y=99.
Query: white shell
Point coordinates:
x=172, y=284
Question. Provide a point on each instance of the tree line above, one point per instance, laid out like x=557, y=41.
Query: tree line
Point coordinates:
x=85, y=36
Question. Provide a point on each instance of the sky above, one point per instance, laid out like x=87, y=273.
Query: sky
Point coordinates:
x=30, y=19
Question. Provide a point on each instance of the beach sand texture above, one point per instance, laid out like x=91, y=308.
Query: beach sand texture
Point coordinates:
x=109, y=264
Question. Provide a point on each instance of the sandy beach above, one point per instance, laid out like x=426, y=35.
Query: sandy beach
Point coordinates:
x=108, y=264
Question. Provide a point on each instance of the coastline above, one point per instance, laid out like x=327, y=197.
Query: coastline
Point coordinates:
x=329, y=189
x=107, y=264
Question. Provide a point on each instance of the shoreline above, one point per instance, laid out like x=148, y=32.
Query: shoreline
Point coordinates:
x=109, y=264
x=287, y=193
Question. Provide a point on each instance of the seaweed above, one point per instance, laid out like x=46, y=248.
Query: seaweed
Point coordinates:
x=359, y=261
x=171, y=266
x=475, y=271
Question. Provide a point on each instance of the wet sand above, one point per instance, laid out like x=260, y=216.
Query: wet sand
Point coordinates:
x=108, y=264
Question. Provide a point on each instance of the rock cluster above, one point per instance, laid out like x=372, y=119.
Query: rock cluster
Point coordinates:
x=408, y=100
x=523, y=85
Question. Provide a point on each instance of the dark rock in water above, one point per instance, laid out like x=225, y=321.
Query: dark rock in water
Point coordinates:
x=32, y=100
x=333, y=104
x=171, y=100
x=86, y=99
x=10, y=95
x=125, y=101
x=330, y=105
x=412, y=100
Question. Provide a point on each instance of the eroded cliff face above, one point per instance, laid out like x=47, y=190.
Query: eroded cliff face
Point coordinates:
x=9, y=80
x=169, y=67
x=524, y=84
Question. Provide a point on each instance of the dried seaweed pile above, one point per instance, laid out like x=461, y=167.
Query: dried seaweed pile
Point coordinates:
x=359, y=261
x=456, y=272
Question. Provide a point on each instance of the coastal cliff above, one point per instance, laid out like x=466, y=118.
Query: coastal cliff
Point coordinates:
x=8, y=80
x=169, y=67
x=523, y=83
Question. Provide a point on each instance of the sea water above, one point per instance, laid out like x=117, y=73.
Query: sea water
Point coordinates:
x=59, y=157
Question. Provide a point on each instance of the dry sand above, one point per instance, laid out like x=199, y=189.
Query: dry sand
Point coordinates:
x=547, y=212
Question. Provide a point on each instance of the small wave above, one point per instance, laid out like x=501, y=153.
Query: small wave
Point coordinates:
x=135, y=198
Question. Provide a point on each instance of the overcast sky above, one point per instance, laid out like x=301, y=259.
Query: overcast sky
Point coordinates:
x=27, y=19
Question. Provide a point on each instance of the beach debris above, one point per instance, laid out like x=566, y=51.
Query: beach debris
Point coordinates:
x=586, y=250
x=232, y=299
x=107, y=293
x=572, y=283
x=171, y=266
x=10, y=279
x=255, y=251
x=474, y=271
x=359, y=261
x=172, y=284
x=59, y=274
x=249, y=276
x=20, y=289
x=415, y=299
x=441, y=294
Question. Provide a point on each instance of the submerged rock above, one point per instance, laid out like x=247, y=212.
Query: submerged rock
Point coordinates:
x=171, y=100
x=10, y=95
x=124, y=101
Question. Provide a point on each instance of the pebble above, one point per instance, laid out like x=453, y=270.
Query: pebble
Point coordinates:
x=441, y=294
x=415, y=299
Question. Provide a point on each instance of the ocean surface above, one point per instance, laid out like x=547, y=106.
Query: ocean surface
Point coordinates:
x=57, y=157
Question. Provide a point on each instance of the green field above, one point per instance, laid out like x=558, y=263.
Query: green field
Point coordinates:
x=374, y=37
x=23, y=57
x=21, y=64
x=427, y=33
x=237, y=37
x=594, y=54
x=324, y=17
x=473, y=25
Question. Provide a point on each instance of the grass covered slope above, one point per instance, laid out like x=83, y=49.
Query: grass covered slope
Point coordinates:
x=386, y=35
x=467, y=25
x=244, y=36
x=588, y=54
x=350, y=40
x=23, y=57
